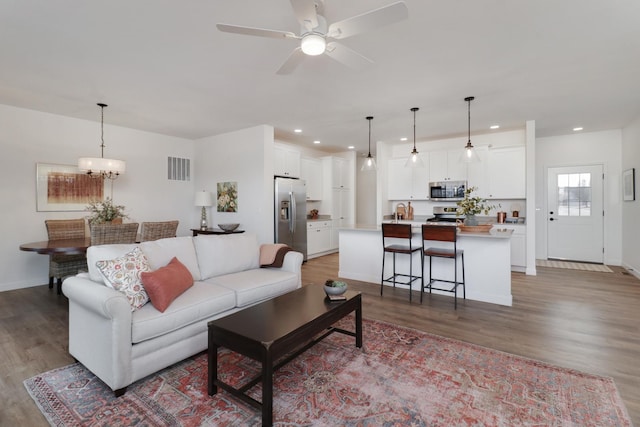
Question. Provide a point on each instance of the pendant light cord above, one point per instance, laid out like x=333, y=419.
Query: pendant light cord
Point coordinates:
x=414, y=109
x=369, y=118
x=102, y=129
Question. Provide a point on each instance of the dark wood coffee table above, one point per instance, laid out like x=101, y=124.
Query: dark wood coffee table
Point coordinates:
x=266, y=332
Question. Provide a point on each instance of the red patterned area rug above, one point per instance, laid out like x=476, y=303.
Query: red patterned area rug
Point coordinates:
x=401, y=377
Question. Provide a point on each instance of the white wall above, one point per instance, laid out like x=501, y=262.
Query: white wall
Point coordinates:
x=28, y=137
x=245, y=157
x=588, y=148
x=631, y=210
x=366, y=209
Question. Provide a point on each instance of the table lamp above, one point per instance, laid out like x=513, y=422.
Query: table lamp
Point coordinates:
x=204, y=199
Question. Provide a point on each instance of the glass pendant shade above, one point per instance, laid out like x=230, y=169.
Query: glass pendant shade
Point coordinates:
x=369, y=163
x=414, y=160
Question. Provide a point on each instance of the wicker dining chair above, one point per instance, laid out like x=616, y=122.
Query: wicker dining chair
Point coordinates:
x=106, y=234
x=61, y=265
x=158, y=230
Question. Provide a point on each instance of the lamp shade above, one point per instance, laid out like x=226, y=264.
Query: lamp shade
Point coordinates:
x=100, y=165
x=203, y=198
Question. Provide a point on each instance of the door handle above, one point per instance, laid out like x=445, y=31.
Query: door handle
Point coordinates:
x=551, y=219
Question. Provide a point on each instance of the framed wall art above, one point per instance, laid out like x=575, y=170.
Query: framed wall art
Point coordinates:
x=629, y=184
x=65, y=188
x=227, y=197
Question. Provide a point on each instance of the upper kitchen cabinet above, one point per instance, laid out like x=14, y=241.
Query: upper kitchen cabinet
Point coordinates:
x=286, y=161
x=506, y=173
x=339, y=171
x=446, y=165
x=477, y=172
x=405, y=183
x=311, y=172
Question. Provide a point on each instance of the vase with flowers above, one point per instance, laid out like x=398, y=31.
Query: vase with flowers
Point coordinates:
x=471, y=206
x=105, y=211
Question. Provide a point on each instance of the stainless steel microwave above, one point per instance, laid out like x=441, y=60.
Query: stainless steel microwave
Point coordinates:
x=447, y=190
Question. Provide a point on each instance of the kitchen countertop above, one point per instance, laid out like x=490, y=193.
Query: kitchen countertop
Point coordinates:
x=494, y=233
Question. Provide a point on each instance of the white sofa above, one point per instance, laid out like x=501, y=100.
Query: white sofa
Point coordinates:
x=120, y=346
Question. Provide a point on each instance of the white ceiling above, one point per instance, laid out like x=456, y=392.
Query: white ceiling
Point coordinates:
x=162, y=66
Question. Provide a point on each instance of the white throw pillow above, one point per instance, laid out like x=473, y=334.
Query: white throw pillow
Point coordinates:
x=160, y=252
x=123, y=274
x=226, y=253
x=103, y=252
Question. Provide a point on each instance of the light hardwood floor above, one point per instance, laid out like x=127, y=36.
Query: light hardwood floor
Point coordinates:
x=574, y=319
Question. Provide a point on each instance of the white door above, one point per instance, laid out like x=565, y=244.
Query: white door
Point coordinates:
x=575, y=213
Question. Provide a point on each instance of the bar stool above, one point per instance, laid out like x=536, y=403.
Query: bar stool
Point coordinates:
x=398, y=231
x=443, y=233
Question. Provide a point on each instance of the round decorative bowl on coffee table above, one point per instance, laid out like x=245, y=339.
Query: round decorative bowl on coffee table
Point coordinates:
x=334, y=287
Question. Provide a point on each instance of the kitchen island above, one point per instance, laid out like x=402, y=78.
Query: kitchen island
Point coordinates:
x=487, y=259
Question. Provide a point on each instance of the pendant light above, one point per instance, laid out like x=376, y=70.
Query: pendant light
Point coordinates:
x=414, y=160
x=470, y=155
x=369, y=162
x=99, y=167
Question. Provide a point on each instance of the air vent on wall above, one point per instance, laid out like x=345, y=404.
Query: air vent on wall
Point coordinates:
x=178, y=169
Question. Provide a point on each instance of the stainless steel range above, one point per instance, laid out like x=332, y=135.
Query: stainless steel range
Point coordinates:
x=445, y=214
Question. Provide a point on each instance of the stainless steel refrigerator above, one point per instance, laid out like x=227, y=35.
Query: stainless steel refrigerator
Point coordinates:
x=291, y=213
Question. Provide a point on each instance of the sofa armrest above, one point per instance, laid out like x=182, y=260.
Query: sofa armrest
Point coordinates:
x=293, y=263
x=100, y=330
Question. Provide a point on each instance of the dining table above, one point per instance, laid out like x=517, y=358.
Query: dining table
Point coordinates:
x=59, y=246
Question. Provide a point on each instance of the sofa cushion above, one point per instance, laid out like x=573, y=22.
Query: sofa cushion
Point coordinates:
x=166, y=283
x=123, y=274
x=202, y=301
x=256, y=285
x=160, y=252
x=224, y=254
x=104, y=252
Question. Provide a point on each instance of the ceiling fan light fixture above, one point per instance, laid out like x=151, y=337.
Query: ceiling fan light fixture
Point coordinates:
x=313, y=44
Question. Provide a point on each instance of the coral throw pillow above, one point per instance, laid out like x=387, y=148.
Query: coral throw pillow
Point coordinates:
x=123, y=274
x=167, y=283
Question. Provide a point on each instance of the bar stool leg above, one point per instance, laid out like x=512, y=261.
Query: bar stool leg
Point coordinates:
x=410, y=275
x=382, y=278
x=455, y=281
x=464, y=283
x=422, y=278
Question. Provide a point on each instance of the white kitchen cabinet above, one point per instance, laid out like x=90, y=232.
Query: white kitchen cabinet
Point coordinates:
x=518, y=245
x=405, y=183
x=318, y=237
x=341, y=212
x=447, y=165
x=477, y=173
x=311, y=172
x=286, y=161
x=506, y=173
x=340, y=173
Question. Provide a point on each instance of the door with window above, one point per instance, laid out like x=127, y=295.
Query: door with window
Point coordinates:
x=575, y=213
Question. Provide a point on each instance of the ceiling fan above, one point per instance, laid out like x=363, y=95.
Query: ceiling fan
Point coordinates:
x=316, y=38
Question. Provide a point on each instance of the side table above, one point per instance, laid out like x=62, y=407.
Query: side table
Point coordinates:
x=197, y=231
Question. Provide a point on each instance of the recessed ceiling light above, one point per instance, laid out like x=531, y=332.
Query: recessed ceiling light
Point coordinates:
x=351, y=147
x=494, y=127
x=316, y=142
x=577, y=129
x=404, y=138
x=297, y=130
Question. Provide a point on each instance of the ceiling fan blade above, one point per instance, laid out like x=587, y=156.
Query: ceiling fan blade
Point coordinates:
x=369, y=21
x=346, y=56
x=306, y=14
x=296, y=57
x=260, y=32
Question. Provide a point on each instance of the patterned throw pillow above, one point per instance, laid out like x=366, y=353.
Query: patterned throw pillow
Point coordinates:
x=123, y=274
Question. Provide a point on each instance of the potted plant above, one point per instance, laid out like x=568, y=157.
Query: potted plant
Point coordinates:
x=471, y=206
x=104, y=211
